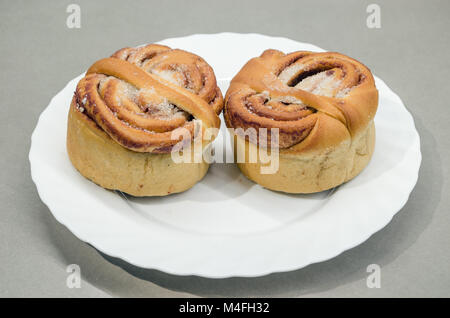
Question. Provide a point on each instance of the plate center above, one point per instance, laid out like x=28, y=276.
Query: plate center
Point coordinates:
x=226, y=202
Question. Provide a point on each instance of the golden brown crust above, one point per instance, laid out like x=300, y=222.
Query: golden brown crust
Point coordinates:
x=309, y=173
x=102, y=160
x=139, y=96
x=322, y=103
x=125, y=110
x=266, y=93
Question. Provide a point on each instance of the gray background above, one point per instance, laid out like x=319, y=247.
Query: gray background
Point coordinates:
x=39, y=55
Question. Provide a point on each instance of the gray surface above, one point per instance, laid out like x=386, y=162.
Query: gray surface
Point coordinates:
x=39, y=55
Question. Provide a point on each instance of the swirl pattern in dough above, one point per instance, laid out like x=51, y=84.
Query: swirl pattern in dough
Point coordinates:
x=322, y=104
x=140, y=95
x=131, y=110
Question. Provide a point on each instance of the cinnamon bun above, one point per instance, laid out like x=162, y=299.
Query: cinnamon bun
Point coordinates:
x=321, y=106
x=125, y=110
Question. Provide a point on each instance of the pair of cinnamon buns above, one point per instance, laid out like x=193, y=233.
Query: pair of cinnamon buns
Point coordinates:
x=142, y=120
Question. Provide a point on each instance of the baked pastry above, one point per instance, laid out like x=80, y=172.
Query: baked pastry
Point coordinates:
x=321, y=104
x=123, y=114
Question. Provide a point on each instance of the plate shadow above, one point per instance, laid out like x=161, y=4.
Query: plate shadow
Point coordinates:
x=381, y=248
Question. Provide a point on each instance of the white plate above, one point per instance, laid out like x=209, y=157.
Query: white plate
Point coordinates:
x=226, y=225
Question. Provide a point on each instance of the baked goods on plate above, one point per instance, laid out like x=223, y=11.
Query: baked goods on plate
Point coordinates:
x=314, y=110
x=126, y=111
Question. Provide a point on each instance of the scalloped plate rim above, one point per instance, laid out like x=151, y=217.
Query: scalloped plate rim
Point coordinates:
x=46, y=198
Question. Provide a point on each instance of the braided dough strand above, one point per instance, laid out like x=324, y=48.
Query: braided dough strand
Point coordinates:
x=315, y=100
x=140, y=96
